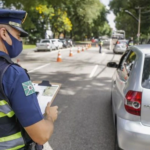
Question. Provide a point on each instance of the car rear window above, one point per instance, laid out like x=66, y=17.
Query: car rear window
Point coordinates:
x=45, y=41
x=54, y=41
x=123, y=42
x=146, y=73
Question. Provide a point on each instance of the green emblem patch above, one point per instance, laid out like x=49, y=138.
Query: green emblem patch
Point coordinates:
x=28, y=88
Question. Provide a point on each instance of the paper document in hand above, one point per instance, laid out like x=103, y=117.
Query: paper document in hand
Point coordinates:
x=45, y=94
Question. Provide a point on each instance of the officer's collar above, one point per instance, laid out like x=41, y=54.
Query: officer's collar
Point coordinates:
x=3, y=53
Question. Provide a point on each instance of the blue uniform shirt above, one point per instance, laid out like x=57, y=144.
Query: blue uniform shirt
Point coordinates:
x=26, y=108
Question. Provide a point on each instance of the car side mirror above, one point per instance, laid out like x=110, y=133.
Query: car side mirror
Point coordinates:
x=112, y=65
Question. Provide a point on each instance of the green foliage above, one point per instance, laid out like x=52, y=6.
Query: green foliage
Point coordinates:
x=76, y=19
x=60, y=21
x=126, y=22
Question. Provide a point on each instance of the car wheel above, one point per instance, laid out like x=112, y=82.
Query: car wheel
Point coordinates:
x=114, y=51
x=116, y=141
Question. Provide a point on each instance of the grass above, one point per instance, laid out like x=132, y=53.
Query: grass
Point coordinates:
x=82, y=42
x=28, y=46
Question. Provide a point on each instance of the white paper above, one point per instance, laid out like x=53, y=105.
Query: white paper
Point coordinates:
x=45, y=95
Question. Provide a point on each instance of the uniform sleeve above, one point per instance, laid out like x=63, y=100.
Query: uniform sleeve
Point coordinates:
x=25, y=105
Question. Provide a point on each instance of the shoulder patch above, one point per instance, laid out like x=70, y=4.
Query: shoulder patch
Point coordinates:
x=28, y=88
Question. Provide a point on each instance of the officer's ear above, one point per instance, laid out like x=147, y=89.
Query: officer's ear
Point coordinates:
x=3, y=34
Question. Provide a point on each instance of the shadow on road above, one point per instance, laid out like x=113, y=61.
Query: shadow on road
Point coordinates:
x=85, y=117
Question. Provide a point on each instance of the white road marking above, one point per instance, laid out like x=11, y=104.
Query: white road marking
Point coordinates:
x=93, y=71
x=47, y=146
x=103, y=54
x=38, y=68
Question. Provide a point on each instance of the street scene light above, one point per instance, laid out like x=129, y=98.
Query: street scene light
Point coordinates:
x=138, y=20
x=131, y=15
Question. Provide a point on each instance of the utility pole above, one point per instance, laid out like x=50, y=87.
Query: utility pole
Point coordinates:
x=138, y=19
x=139, y=24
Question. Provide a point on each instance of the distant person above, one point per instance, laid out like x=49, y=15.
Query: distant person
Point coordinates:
x=130, y=42
x=100, y=44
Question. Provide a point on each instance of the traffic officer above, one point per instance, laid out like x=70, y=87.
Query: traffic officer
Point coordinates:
x=130, y=42
x=100, y=43
x=22, y=125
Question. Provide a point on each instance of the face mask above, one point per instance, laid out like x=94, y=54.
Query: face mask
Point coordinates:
x=15, y=49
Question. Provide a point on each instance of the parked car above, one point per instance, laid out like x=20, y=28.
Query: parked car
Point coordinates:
x=94, y=40
x=120, y=46
x=65, y=43
x=45, y=44
x=57, y=43
x=70, y=42
x=131, y=99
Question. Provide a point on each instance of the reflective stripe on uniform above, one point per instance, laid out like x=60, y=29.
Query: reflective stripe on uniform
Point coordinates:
x=17, y=147
x=3, y=102
x=5, y=109
x=12, y=142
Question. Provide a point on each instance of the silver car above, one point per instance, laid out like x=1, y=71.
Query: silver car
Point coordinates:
x=45, y=44
x=120, y=46
x=131, y=99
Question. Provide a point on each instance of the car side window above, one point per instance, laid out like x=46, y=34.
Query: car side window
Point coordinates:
x=122, y=60
x=129, y=62
x=146, y=73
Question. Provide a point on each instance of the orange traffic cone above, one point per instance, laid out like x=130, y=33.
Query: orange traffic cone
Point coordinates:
x=96, y=45
x=70, y=54
x=78, y=51
x=59, y=57
x=82, y=49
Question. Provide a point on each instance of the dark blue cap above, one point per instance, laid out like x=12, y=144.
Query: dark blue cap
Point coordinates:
x=14, y=18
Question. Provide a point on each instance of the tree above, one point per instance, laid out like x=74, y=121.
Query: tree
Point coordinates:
x=73, y=18
x=125, y=21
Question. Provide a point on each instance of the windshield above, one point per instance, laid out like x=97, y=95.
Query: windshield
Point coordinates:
x=54, y=41
x=45, y=41
x=124, y=42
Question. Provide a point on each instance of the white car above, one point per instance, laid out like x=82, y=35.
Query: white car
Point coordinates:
x=45, y=44
x=57, y=43
x=120, y=46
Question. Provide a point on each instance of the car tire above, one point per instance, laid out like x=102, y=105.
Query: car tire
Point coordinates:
x=114, y=51
x=116, y=141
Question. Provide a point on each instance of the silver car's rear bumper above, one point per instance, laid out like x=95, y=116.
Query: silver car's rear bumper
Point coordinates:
x=44, y=48
x=119, y=50
x=133, y=135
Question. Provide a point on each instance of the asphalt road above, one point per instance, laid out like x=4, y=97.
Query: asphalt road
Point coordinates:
x=85, y=117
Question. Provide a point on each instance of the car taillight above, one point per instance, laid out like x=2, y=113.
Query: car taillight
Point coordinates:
x=118, y=42
x=133, y=102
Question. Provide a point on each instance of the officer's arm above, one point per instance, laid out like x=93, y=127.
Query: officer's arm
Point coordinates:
x=41, y=131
